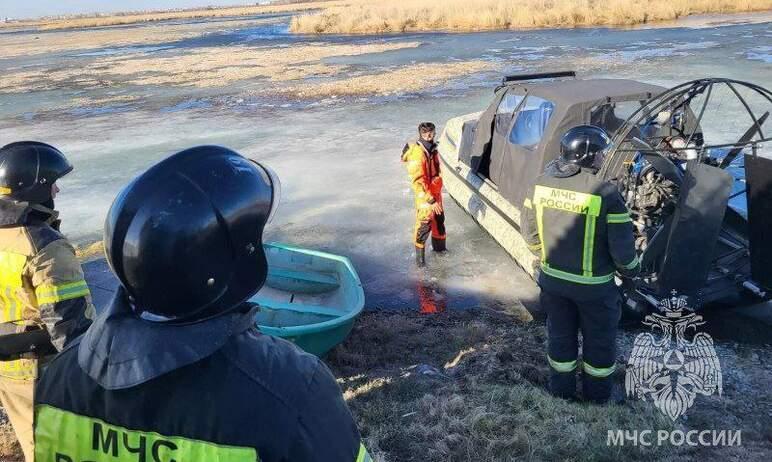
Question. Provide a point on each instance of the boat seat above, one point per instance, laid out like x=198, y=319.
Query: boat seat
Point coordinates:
x=271, y=304
x=301, y=281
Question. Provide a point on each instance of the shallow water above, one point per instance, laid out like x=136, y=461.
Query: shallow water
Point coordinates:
x=345, y=190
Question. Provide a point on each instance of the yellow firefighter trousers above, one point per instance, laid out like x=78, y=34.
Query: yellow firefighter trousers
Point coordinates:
x=17, y=397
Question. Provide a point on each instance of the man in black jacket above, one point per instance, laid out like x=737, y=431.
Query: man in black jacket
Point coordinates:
x=175, y=369
x=582, y=230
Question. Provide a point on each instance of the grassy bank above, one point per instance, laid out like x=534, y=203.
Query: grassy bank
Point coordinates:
x=464, y=386
x=116, y=19
x=384, y=16
x=470, y=385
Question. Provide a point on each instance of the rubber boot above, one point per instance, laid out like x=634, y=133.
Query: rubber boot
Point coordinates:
x=597, y=390
x=438, y=245
x=563, y=384
x=420, y=257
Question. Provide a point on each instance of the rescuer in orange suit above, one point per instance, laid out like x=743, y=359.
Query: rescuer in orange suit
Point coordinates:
x=423, y=168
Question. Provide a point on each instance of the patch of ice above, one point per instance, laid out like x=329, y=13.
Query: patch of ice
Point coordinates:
x=683, y=49
x=533, y=49
x=763, y=53
x=93, y=111
x=186, y=105
x=123, y=50
x=529, y=57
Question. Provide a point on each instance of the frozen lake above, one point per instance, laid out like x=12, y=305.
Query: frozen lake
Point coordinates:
x=344, y=189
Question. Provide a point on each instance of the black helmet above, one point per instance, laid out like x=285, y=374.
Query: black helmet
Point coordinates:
x=185, y=237
x=28, y=169
x=582, y=143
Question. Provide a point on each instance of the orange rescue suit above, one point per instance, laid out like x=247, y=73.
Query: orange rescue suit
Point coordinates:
x=423, y=168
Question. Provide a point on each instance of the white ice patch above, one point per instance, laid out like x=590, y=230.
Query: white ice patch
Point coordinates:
x=122, y=51
x=639, y=52
x=763, y=53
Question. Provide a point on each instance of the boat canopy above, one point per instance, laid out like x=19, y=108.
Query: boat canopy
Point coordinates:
x=520, y=132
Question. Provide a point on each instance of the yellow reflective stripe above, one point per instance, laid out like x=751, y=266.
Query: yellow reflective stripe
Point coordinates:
x=7, y=304
x=589, y=245
x=20, y=369
x=567, y=200
x=363, y=455
x=540, y=231
x=528, y=204
x=618, y=218
x=599, y=372
x=5, y=190
x=64, y=436
x=632, y=264
x=534, y=247
x=11, y=306
x=577, y=278
x=562, y=366
x=57, y=293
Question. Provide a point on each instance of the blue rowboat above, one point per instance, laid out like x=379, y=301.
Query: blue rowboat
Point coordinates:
x=310, y=298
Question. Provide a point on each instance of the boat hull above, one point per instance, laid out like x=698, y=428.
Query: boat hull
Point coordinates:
x=310, y=298
x=480, y=199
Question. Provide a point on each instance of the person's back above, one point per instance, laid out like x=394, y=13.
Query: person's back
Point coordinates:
x=174, y=368
x=254, y=398
x=580, y=245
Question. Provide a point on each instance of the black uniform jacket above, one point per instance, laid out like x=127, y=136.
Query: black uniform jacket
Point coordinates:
x=218, y=390
x=582, y=230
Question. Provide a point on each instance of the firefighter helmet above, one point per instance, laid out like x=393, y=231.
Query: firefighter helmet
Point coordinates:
x=28, y=169
x=581, y=144
x=185, y=237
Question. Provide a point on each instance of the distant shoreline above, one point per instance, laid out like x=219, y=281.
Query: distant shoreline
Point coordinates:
x=365, y=17
x=127, y=18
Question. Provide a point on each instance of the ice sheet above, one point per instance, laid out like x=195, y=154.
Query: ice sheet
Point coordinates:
x=345, y=190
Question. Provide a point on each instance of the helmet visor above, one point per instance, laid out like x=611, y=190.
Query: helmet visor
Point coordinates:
x=276, y=185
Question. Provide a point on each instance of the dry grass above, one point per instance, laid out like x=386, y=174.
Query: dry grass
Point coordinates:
x=154, y=16
x=404, y=79
x=25, y=44
x=10, y=451
x=384, y=16
x=485, y=400
x=91, y=251
x=202, y=67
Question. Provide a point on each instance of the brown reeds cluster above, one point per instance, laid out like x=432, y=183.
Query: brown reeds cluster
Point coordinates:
x=385, y=16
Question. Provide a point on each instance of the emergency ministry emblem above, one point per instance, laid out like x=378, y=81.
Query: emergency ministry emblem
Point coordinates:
x=671, y=370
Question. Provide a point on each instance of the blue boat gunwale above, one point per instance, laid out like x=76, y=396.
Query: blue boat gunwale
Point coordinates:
x=332, y=323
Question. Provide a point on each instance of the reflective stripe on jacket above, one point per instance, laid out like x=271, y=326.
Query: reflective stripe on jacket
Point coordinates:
x=132, y=390
x=581, y=228
x=41, y=285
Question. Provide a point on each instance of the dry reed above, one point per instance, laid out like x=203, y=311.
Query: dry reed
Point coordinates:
x=388, y=16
